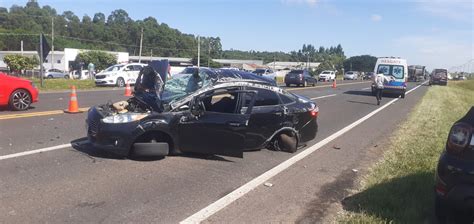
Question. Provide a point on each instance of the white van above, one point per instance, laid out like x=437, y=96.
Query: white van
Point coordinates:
x=119, y=75
x=396, y=68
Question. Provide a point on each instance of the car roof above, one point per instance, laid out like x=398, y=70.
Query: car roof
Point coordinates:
x=230, y=83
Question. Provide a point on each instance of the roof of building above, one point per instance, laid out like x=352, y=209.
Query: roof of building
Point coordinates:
x=238, y=61
x=171, y=59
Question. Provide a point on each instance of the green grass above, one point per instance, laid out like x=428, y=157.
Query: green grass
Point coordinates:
x=64, y=84
x=399, y=188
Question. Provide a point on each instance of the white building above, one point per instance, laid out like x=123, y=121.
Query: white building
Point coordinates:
x=61, y=59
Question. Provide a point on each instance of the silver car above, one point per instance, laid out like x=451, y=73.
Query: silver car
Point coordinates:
x=55, y=74
x=350, y=75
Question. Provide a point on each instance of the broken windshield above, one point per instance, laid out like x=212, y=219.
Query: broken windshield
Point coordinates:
x=181, y=85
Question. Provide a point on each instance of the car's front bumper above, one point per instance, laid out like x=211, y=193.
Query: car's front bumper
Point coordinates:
x=114, y=138
x=105, y=82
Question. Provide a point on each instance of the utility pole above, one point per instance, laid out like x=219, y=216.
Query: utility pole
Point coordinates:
x=41, y=59
x=21, y=47
x=151, y=54
x=199, y=52
x=209, y=55
x=52, y=42
x=141, y=45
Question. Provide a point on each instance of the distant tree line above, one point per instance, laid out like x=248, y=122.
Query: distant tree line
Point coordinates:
x=119, y=32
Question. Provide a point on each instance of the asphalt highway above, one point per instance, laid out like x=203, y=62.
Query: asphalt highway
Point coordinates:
x=80, y=184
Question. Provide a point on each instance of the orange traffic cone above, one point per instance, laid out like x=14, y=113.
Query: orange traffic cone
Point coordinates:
x=128, y=90
x=73, y=106
x=334, y=84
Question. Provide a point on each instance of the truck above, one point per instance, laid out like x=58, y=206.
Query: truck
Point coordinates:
x=416, y=73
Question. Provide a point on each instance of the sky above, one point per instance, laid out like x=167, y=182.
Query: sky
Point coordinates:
x=435, y=33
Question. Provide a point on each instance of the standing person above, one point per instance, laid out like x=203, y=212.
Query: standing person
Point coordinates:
x=379, y=81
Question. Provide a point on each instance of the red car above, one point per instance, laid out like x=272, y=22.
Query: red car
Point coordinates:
x=17, y=93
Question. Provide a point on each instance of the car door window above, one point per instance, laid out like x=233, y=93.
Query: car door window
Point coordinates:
x=137, y=67
x=221, y=101
x=265, y=97
x=130, y=68
x=287, y=98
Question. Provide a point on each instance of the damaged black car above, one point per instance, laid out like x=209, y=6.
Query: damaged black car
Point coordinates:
x=218, y=112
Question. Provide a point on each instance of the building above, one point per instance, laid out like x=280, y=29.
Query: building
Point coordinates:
x=288, y=65
x=60, y=59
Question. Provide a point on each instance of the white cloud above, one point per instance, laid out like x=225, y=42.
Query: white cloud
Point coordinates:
x=311, y=3
x=458, y=10
x=435, y=51
x=376, y=17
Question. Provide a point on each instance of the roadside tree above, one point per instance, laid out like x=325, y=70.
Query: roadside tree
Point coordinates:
x=100, y=59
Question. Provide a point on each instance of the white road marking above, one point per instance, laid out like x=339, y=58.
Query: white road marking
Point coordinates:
x=52, y=148
x=223, y=202
x=367, y=88
x=320, y=97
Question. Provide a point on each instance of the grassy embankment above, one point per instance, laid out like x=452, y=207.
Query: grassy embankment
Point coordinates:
x=64, y=84
x=399, y=188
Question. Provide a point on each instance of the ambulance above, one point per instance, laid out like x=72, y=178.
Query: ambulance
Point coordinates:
x=396, y=69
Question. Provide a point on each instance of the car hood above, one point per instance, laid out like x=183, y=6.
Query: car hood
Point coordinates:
x=12, y=78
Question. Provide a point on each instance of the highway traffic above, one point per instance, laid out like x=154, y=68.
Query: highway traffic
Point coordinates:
x=50, y=171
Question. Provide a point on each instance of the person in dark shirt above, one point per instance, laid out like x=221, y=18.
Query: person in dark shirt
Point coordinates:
x=148, y=86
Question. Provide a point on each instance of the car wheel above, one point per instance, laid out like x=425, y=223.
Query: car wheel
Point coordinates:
x=287, y=85
x=286, y=143
x=50, y=76
x=66, y=76
x=20, y=100
x=120, y=82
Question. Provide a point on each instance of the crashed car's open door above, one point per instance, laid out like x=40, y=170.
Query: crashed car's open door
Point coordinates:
x=219, y=126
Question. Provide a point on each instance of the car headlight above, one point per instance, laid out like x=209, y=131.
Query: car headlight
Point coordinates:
x=123, y=118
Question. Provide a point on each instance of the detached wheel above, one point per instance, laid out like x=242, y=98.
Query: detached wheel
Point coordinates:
x=286, y=143
x=20, y=100
x=120, y=82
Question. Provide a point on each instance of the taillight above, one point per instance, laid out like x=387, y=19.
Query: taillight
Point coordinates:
x=459, y=137
x=314, y=111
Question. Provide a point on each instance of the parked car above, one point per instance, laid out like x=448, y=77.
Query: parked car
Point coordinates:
x=300, y=78
x=17, y=93
x=56, y=73
x=350, y=75
x=439, y=76
x=119, y=75
x=454, y=185
x=368, y=76
x=265, y=72
x=327, y=76
x=230, y=112
x=80, y=74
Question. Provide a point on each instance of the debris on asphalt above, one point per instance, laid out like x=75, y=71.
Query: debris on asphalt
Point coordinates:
x=355, y=170
x=336, y=147
x=51, y=119
x=375, y=146
x=267, y=184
